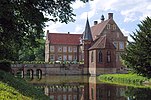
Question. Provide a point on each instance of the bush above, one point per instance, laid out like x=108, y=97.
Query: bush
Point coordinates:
x=5, y=65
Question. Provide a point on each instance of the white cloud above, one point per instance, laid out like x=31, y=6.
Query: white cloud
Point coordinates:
x=78, y=29
x=53, y=27
x=78, y=4
x=131, y=9
x=127, y=33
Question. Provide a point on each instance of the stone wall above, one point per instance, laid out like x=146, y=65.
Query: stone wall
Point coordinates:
x=50, y=69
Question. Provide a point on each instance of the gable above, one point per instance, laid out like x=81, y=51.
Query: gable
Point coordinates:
x=109, y=28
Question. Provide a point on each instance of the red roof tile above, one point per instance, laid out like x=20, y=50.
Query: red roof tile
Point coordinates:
x=64, y=38
x=98, y=28
x=102, y=43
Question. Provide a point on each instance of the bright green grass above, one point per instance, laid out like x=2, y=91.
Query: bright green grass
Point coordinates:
x=10, y=93
x=21, y=86
x=128, y=79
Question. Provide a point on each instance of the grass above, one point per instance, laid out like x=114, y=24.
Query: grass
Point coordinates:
x=125, y=79
x=20, y=88
x=10, y=93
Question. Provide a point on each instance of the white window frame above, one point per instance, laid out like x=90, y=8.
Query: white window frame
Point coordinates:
x=52, y=55
x=64, y=48
x=121, y=45
x=69, y=48
x=70, y=57
x=52, y=48
x=59, y=48
x=59, y=57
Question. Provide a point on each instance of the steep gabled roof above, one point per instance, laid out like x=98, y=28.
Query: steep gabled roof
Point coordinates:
x=97, y=29
x=102, y=42
x=64, y=38
x=87, y=35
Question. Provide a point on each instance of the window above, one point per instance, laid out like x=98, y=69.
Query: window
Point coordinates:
x=59, y=57
x=59, y=49
x=108, y=56
x=114, y=27
x=51, y=57
x=115, y=44
x=121, y=45
x=64, y=49
x=64, y=57
x=75, y=49
x=118, y=35
x=75, y=57
x=69, y=49
x=52, y=48
x=92, y=57
x=69, y=57
x=108, y=26
x=100, y=57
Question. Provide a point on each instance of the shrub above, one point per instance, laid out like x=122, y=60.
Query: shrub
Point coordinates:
x=5, y=65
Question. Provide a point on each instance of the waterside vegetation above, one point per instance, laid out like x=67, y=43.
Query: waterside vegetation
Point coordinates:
x=124, y=79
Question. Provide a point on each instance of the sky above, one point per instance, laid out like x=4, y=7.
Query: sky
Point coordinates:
x=126, y=13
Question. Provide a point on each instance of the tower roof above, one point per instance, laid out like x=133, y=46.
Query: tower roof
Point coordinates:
x=87, y=35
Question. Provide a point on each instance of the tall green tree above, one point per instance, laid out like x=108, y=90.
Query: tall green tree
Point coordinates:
x=33, y=54
x=22, y=21
x=138, y=52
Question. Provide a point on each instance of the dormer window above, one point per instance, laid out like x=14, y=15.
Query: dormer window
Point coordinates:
x=108, y=26
x=114, y=27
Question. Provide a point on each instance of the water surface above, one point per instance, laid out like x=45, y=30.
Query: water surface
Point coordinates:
x=87, y=88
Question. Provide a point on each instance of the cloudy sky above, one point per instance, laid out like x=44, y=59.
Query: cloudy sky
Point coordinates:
x=126, y=13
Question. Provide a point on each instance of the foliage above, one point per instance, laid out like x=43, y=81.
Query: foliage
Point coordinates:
x=22, y=86
x=138, y=52
x=123, y=78
x=138, y=93
x=33, y=54
x=10, y=93
x=5, y=65
x=22, y=21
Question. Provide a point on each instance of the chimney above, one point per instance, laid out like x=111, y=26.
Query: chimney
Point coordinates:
x=68, y=32
x=95, y=22
x=102, y=18
x=110, y=15
x=47, y=31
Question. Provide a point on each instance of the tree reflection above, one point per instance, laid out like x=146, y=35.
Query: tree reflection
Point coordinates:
x=138, y=93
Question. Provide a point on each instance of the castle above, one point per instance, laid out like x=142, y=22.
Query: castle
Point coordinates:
x=99, y=46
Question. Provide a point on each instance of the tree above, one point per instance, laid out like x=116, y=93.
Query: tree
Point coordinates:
x=22, y=21
x=33, y=54
x=138, y=52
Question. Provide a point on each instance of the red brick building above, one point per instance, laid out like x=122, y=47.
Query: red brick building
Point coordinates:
x=63, y=47
x=100, y=46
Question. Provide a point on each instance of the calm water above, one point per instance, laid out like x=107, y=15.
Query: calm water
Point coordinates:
x=87, y=88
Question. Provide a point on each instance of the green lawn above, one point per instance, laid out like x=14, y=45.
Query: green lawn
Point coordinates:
x=129, y=79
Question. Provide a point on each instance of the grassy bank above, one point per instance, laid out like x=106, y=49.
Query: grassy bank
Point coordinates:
x=12, y=87
x=129, y=79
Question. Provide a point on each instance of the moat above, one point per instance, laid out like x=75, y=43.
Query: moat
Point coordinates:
x=87, y=88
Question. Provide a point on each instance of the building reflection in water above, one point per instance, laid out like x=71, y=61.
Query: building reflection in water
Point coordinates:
x=88, y=88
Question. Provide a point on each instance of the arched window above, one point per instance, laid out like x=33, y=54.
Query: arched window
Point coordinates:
x=100, y=57
x=92, y=57
x=108, y=56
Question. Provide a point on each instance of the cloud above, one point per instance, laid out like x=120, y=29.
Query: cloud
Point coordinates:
x=131, y=10
x=53, y=27
x=78, y=29
x=127, y=33
x=78, y=4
